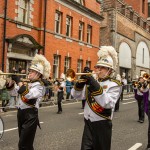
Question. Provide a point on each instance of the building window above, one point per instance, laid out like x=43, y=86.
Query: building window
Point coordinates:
x=89, y=34
x=68, y=26
x=80, y=1
x=138, y=21
x=143, y=57
x=131, y=15
x=56, y=66
x=88, y=63
x=24, y=11
x=58, y=16
x=81, y=27
x=79, y=65
x=149, y=9
x=143, y=6
x=67, y=64
x=122, y=10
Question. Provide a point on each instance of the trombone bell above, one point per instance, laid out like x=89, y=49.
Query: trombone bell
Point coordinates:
x=71, y=75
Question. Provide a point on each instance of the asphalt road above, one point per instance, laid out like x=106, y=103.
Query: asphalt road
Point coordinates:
x=64, y=131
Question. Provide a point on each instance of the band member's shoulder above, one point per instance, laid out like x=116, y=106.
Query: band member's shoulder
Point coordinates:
x=116, y=81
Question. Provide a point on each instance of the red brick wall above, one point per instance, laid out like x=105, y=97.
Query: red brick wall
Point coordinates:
x=93, y=5
x=137, y=6
x=52, y=43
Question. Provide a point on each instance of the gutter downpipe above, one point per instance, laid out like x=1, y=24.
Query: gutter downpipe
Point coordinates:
x=44, y=36
x=4, y=35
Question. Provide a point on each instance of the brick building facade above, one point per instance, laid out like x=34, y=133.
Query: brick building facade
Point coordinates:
x=126, y=28
x=67, y=32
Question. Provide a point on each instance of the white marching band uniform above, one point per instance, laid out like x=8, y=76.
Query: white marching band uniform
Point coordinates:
x=30, y=95
x=101, y=97
x=107, y=99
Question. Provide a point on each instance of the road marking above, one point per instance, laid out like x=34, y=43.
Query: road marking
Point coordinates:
x=125, y=99
x=15, y=128
x=136, y=146
x=81, y=113
x=129, y=102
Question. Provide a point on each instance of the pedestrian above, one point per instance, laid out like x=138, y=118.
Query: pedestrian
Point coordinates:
x=140, y=99
x=118, y=77
x=124, y=84
x=4, y=95
x=12, y=89
x=60, y=94
x=30, y=96
x=101, y=96
x=69, y=86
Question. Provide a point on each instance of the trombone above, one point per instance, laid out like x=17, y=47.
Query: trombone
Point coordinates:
x=17, y=74
x=71, y=75
x=146, y=77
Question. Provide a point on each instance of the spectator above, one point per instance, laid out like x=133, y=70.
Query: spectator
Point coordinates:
x=69, y=86
x=124, y=83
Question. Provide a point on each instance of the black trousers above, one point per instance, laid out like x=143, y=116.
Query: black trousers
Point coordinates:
x=97, y=135
x=148, y=114
x=27, y=125
x=59, y=100
x=140, y=102
x=117, y=104
x=4, y=104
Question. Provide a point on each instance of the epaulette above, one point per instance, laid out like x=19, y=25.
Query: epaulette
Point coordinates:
x=116, y=81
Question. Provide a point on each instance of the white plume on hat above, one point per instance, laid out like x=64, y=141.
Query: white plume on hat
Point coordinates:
x=107, y=57
x=142, y=73
x=62, y=76
x=41, y=65
x=123, y=74
x=118, y=77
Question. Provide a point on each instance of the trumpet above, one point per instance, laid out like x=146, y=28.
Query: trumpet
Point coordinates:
x=71, y=75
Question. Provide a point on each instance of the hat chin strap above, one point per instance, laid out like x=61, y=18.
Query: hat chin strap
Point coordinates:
x=106, y=73
x=35, y=77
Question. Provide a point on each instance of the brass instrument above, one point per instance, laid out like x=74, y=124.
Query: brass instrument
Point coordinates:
x=71, y=75
x=146, y=77
x=135, y=83
x=17, y=74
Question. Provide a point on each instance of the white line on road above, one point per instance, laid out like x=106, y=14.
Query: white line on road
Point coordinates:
x=81, y=113
x=129, y=102
x=15, y=128
x=126, y=99
x=136, y=146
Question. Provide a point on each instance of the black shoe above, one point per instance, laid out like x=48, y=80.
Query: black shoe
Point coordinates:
x=59, y=112
x=141, y=121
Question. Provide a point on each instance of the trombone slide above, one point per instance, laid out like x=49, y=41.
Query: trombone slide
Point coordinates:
x=17, y=74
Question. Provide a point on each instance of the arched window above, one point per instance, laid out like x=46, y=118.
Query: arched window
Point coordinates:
x=124, y=55
x=142, y=55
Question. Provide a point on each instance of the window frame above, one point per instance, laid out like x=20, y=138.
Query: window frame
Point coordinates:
x=81, y=31
x=68, y=26
x=89, y=34
x=58, y=22
x=67, y=63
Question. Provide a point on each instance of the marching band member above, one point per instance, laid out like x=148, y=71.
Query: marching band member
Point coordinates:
x=118, y=77
x=101, y=96
x=29, y=97
x=146, y=96
x=60, y=92
x=139, y=97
